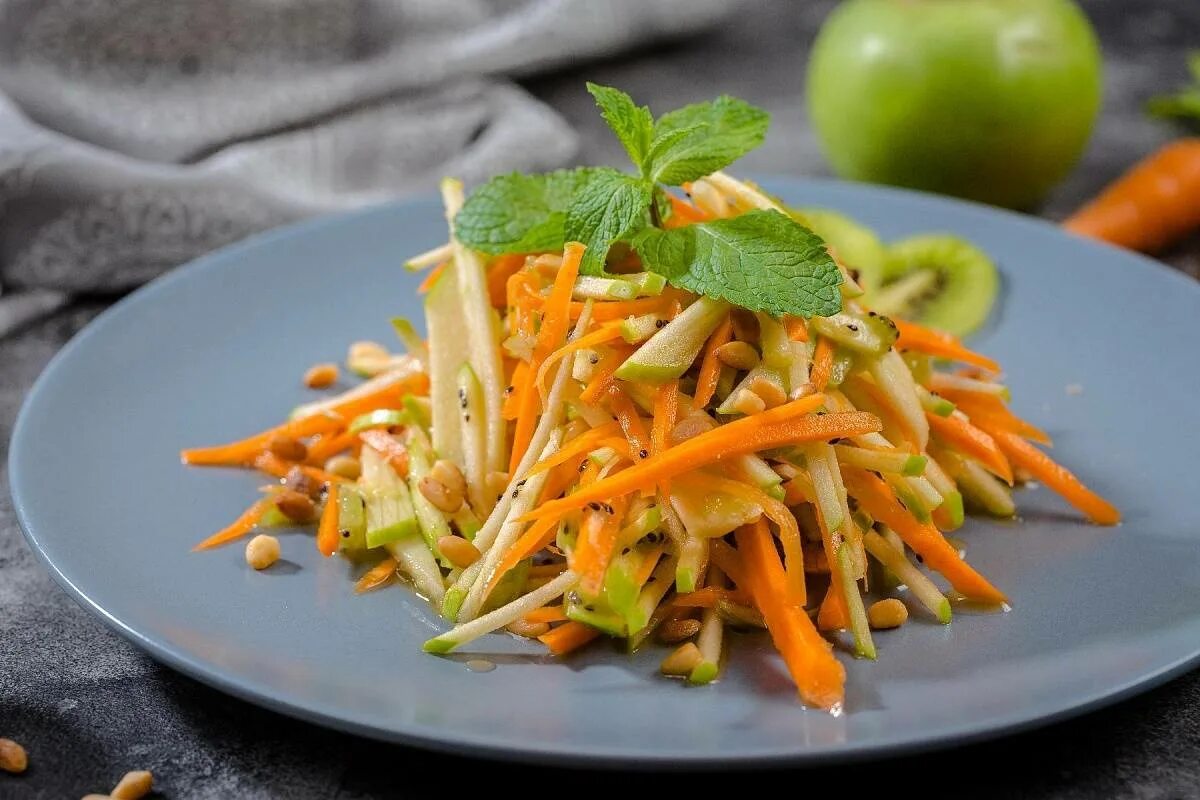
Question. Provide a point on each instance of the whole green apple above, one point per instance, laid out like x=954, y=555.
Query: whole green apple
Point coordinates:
x=991, y=100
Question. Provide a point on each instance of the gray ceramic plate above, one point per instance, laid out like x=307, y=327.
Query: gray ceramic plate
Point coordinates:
x=215, y=351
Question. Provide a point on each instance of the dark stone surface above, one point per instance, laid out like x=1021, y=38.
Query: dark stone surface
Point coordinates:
x=89, y=706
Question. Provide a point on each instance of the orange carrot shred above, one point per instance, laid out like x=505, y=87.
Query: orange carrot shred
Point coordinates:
x=746, y=435
x=990, y=412
x=545, y=614
x=666, y=408
x=822, y=366
x=562, y=639
x=388, y=447
x=498, y=274
x=796, y=327
x=927, y=541
x=431, y=278
x=327, y=528
x=818, y=676
x=578, y=447
x=511, y=408
x=239, y=527
x=379, y=575
x=243, y=452
x=710, y=365
x=936, y=343
x=631, y=423
x=960, y=434
x=1058, y=478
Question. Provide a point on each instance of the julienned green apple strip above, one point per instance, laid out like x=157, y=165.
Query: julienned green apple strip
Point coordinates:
x=814, y=435
x=477, y=316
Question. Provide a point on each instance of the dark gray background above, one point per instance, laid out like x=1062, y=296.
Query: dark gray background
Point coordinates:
x=89, y=706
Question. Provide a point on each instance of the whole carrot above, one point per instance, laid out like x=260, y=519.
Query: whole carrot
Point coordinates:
x=1150, y=206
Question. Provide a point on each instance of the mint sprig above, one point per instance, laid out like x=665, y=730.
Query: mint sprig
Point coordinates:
x=762, y=260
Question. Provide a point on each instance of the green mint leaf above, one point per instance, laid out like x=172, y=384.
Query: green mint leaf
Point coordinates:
x=609, y=206
x=761, y=260
x=631, y=123
x=519, y=213
x=700, y=139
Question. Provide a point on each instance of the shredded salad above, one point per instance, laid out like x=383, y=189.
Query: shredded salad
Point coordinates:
x=620, y=447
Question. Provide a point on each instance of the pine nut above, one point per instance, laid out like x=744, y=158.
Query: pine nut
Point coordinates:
x=262, y=551
x=97, y=797
x=675, y=631
x=134, y=786
x=449, y=475
x=368, y=359
x=458, y=551
x=738, y=355
x=287, y=447
x=442, y=498
x=321, y=376
x=747, y=402
x=682, y=660
x=346, y=467
x=530, y=630
x=13, y=757
x=770, y=391
x=495, y=483
x=889, y=613
x=296, y=506
x=366, y=349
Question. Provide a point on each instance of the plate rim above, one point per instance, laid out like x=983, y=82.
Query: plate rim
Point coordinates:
x=426, y=736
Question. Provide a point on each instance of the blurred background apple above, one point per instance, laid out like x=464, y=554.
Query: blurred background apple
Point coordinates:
x=992, y=100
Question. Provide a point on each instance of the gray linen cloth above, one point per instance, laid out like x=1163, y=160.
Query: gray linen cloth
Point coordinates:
x=138, y=134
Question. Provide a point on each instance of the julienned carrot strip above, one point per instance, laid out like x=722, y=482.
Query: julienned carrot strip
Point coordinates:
x=395, y=453
x=822, y=366
x=747, y=435
x=1150, y=206
x=796, y=327
x=631, y=423
x=528, y=404
x=239, y=527
x=390, y=395
x=832, y=615
x=594, y=547
x=882, y=407
x=961, y=435
x=990, y=412
x=556, y=316
x=327, y=528
x=602, y=376
x=271, y=464
x=943, y=345
x=880, y=502
x=498, y=274
x=555, y=319
x=710, y=365
x=1057, y=477
x=728, y=561
x=243, y=452
x=578, y=447
x=666, y=408
x=431, y=278
x=381, y=574
x=569, y=636
x=777, y=512
x=683, y=213
x=559, y=479
x=609, y=310
x=545, y=614
x=511, y=408
x=329, y=445
x=708, y=597
x=647, y=566
x=818, y=676
x=607, y=332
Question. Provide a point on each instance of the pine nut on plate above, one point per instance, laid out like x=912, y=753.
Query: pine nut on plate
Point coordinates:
x=262, y=551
